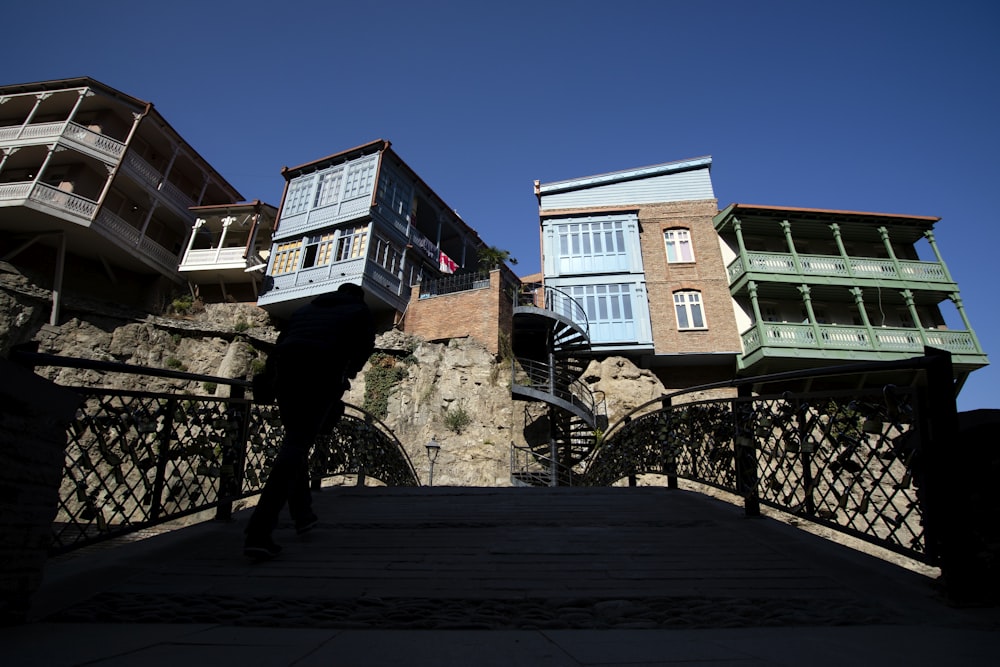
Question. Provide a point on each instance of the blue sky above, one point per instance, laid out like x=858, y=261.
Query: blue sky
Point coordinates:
x=887, y=106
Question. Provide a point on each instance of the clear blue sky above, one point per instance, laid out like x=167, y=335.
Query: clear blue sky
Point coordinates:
x=887, y=106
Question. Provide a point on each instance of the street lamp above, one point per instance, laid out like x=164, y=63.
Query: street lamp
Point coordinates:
x=433, y=448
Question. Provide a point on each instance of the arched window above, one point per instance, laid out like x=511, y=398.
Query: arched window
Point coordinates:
x=690, y=315
x=679, y=248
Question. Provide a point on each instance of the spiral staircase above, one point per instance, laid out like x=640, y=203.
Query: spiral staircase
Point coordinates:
x=562, y=415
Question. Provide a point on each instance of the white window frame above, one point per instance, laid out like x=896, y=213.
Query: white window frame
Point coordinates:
x=688, y=309
x=352, y=243
x=298, y=198
x=677, y=242
x=329, y=187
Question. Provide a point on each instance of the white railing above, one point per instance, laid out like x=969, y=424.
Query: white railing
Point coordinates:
x=214, y=256
x=95, y=140
x=72, y=132
x=15, y=191
x=141, y=170
x=125, y=235
x=63, y=201
x=174, y=195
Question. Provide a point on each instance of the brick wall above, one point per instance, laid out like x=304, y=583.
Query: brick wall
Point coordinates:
x=707, y=274
x=484, y=314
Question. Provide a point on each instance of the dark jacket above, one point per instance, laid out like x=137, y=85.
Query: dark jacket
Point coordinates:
x=333, y=326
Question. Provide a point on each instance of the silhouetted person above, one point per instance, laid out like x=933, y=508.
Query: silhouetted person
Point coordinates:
x=323, y=346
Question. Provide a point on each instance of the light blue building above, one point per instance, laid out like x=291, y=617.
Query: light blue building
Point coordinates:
x=362, y=216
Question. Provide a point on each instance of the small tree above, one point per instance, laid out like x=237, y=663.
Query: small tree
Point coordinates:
x=491, y=257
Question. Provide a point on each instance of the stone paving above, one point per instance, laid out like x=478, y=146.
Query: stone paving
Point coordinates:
x=455, y=576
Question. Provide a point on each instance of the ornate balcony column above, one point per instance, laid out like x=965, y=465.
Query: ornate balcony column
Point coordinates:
x=170, y=165
x=929, y=235
x=807, y=300
x=884, y=233
x=84, y=93
x=738, y=228
x=908, y=299
x=787, y=228
x=859, y=301
x=31, y=114
x=957, y=300
x=113, y=169
x=226, y=222
x=145, y=223
x=48, y=158
x=204, y=187
x=835, y=228
x=754, y=303
x=194, y=232
x=7, y=152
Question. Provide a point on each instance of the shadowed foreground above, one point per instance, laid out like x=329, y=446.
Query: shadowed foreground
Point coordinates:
x=455, y=576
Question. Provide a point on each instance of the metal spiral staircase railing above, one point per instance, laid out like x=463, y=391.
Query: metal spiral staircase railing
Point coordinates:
x=562, y=415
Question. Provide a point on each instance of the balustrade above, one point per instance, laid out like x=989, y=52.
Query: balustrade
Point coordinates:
x=836, y=267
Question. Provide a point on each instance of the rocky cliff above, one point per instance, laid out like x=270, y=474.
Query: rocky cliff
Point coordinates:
x=454, y=392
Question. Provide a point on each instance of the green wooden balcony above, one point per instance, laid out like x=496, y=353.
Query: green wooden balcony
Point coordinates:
x=836, y=342
x=836, y=267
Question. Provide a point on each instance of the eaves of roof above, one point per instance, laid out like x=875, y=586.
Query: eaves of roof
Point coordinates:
x=623, y=175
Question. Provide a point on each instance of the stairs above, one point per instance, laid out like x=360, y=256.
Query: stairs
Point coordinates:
x=549, y=342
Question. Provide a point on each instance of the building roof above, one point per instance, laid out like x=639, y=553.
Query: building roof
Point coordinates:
x=87, y=82
x=623, y=175
x=825, y=213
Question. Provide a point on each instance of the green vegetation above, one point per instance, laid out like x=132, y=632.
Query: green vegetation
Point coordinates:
x=241, y=326
x=383, y=374
x=491, y=257
x=209, y=387
x=175, y=364
x=456, y=418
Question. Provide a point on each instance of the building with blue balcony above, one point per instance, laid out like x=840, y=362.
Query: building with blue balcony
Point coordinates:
x=820, y=287
x=97, y=186
x=362, y=216
x=636, y=252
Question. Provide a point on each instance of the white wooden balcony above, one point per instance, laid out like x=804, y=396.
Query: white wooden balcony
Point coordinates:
x=79, y=137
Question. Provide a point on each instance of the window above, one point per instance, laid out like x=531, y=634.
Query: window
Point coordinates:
x=394, y=193
x=298, y=195
x=319, y=250
x=608, y=310
x=286, y=258
x=689, y=312
x=679, y=247
x=352, y=243
x=359, y=179
x=328, y=190
x=587, y=239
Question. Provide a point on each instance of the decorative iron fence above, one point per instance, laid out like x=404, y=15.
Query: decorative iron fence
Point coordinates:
x=861, y=462
x=135, y=459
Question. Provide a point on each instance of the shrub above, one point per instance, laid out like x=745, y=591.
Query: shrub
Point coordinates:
x=456, y=418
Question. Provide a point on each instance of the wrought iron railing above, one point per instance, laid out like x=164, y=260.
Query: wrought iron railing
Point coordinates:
x=555, y=300
x=135, y=459
x=856, y=461
x=528, y=467
x=554, y=380
x=461, y=282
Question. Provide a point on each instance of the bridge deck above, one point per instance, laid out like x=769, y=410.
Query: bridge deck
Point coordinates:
x=456, y=576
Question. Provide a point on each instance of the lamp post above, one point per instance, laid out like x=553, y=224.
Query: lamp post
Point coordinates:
x=433, y=448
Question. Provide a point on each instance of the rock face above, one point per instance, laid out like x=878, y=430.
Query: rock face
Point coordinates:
x=455, y=392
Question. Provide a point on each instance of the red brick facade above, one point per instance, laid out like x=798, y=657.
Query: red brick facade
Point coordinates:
x=706, y=274
x=484, y=314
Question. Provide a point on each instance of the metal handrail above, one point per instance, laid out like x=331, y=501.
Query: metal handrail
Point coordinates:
x=556, y=301
x=552, y=380
x=135, y=459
